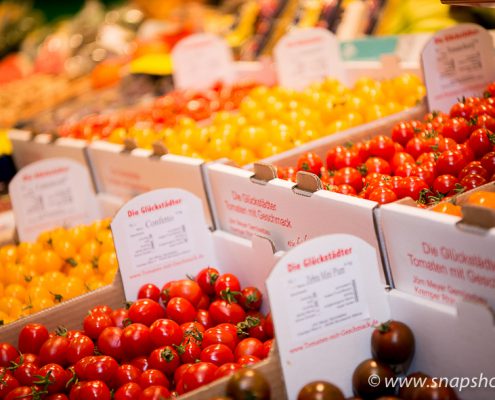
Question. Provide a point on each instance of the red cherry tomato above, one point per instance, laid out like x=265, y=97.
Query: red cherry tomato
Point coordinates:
x=165, y=359
x=22, y=392
x=8, y=353
x=149, y=291
x=179, y=372
x=382, y=195
x=251, y=298
x=140, y=362
x=411, y=186
x=227, y=369
x=187, y=289
x=8, y=383
x=180, y=310
x=153, y=377
x=95, y=323
x=415, y=147
x=126, y=373
x=249, y=347
x=80, y=347
x=402, y=132
x=155, y=393
x=310, y=162
x=349, y=157
x=92, y=390
x=31, y=337
x=189, y=351
x=481, y=142
x=473, y=168
x=198, y=374
x=457, y=129
x=222, y=311
x=54, y=350
x=400, y=158
x=206, y=279
x=377, y=165
x=128, y=391
x=136, y=340
x=382, y=146
x=227, y=283
x=445, y=184
x=165, y=293
x=204, y=318
x=204, y=303
x=472, y=181
x=246, y=361
x=461, y=109
x=267, y=347
x=26, y=374
x=346, y=189
x=217, y=354
x=349, y=176
x=165, y=332
x=54, y=378
x=146, y=311
x=219, y=336
x=110, y=343
x=120, y=317
x=101, y=309
x=406, y=169
x=268, y=326
x=488, y=162
x=450, y=162
x=101, y=368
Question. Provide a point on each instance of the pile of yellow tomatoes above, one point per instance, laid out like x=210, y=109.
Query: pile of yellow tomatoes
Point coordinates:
x=59, y=265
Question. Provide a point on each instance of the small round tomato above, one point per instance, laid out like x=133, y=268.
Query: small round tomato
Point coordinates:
x=23, y=392
x=198, y=374
x=155, y=393
x=54, y=350
x=310, y=162
x=349, y=157
x=251, y=298
x=204, y=303
x=165, y=332
x=457, y=129
x=180, y=310
x=80, y=347
x=128, y=391
x=8, y=353
x=481, y=142
x=57, y=396
x=179, y=372
x=267, y=348
x=126, y=373
x=219, y=336
x=153, y=377
x=446, y=207
x=26, y=374
x=95, y=323
x=445, y=184
x=402, y=132
x=206, y=279
x=415, y=147
x=393, y=343
x=165, y=359
x=227, y=283
x=27, y=358
x=149, y=291
x=146, y=311
x=7, y=383
x=406, y=169
x=136, y=340
x=222, y=311
x=411, y=186
x=485, y=121
x=227, y=369
x=472, y=181
x=248, y=360
x=349, y=176
x=473, y=168
x=461, y=109
x=189, y=351
x=101, y=368
x=92, y=390
x=110, y=343
x=268, y=326
x=120, y=317
x=54, y=378
x=400, y=158
x=378, y=165
x=381, y=146
x=249, y=347
x=101, y=309
x=165, y=293
x=346, y=189
x=488, y=162
x=217, y=354
x=204, y=318
x=450, y=162
x=187, y=289
x=31, y=337
x=382, y=195
x=140, y=362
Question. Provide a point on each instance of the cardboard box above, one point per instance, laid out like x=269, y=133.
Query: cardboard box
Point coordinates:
x=310, y=350
x=439, y=256
x=251, y=261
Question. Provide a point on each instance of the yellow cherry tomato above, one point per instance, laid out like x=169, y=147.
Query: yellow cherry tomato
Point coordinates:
x=107, y=261
x=18, y=291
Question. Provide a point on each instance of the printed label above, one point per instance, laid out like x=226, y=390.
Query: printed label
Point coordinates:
x=160, y=236
x=306, y=56
x=202, y=60
x=51, y=193
x=457, y=62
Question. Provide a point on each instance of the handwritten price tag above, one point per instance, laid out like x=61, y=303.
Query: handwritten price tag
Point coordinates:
x=457, y=62
x=160, y=236
x=202, y=60
x=306, y=56
x=51, y=193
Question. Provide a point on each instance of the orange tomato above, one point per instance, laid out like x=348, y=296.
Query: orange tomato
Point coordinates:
x=446, y=207
x=482, y=198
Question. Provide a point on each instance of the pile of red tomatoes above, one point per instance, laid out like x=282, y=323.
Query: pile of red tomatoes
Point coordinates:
x=427, y=160
x=168, y=342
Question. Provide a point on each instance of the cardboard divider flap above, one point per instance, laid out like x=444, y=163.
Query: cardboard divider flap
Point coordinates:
x=264, y=172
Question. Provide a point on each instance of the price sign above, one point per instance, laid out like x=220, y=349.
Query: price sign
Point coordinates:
x=321, y=294
x=457, y=62
x=160, y=236
x=305, y=56
x=202, y=60
x=51, y=193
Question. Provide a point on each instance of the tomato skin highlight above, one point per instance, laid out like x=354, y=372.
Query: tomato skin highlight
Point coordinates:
x=31, y=338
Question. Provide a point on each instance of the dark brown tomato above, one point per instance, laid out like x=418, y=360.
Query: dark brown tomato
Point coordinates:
x=364, y=386
x=393, y=343
x=406, y=392
x=434, y=390
x=320, y=390
x=248, y=383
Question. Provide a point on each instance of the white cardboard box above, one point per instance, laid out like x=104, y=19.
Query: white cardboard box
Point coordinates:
x=450, y=341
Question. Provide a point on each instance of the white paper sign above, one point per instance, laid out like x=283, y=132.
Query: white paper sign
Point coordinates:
x=457, y=62
x=201, y=60
x=436, y=260
x=51, y=193
x=309, y=55
x=160, y=236
x=322, y=293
